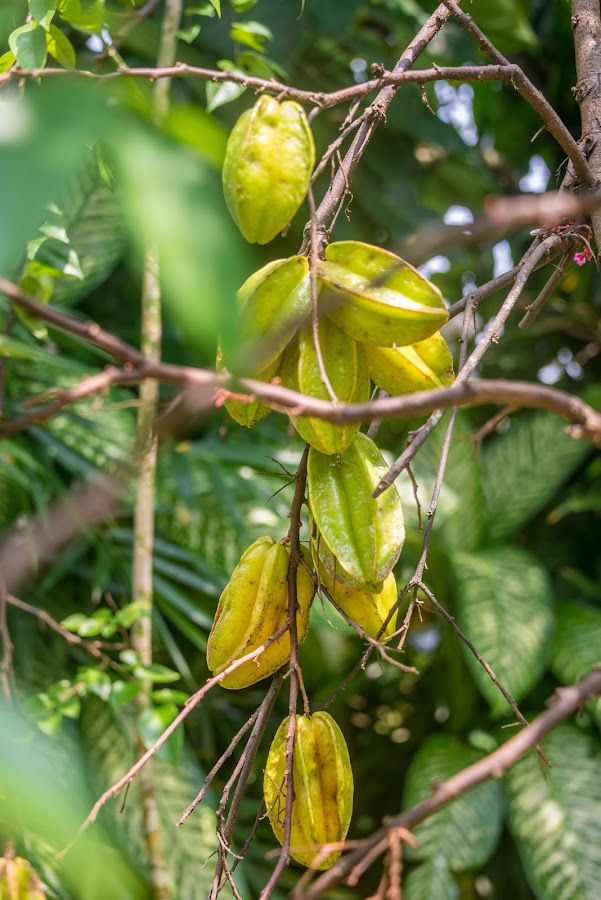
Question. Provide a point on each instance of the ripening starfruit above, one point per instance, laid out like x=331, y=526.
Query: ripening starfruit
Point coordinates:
x=379, y=298
x=323, y=788
x=435, y=352
x=344, y=362
x=364, y=534
x=253, y=606
x=248, y=413
x=268, y=163
x=368, y=609
x=18, y=879
x=274, y=302
x=324, y=558
x=417, y=367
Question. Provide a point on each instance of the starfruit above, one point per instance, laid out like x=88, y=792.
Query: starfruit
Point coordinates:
x=324, y=558
x=18, y=879
x=253, y=606
x=364, y=534
x=274, y=302
x=382, y=299
x=344, y=362
x=368, y=609
x=323, y=788
x=268, y=163
x=434, y=351
x=417, y=367
x=248, y=412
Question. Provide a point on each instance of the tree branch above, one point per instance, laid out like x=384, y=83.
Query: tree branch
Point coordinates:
x=553, y=123
x=586, y=26
x=565, y=702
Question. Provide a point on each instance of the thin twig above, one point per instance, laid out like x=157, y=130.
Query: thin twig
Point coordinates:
x=489, y=337
x=534, y=308
x=191, y=703
x=487, y=668
x=94, y=648
x=242, y=773
x=219, y=764
x=295, y=558
x=531, y=95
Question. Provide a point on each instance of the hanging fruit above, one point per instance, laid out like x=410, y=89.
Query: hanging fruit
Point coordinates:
x=378, y=297
x=323, y=788
x=252, y=608
x=269, y=159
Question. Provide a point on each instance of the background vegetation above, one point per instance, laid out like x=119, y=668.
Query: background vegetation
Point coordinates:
x=90, y=177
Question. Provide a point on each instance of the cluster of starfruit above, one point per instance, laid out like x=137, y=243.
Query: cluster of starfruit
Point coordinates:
x=355, y=543
x=356, y=540
x=379, y=321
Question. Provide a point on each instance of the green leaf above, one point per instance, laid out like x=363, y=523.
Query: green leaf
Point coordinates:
x=189, y=34
x=97, y=683
x=128, y=614
x=504, y=607
x=60, y=47
x=577, y=645
x=555, y=816
x=88, y=15
x=20, y=350
x=42, y=11
x=524, y=468
x=152, y=722
x=251, y=34
x=62, y=119
x=241, y=6
x=216, y=4
x=74, y=622
x=49, y=256
x=111, y=746
x=93, y=223
x=122, y=693
x=465, y=832
x=430, y=880
x=223, y=93
x=7, y=61
x=156, y=673
x=129, y=657
x=28, y=43
x=168, y=695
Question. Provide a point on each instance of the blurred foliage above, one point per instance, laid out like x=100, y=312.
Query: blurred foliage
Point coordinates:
x=87, y=181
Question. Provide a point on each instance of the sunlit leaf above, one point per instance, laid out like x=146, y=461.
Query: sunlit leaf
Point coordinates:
x=251, y=34
x=61, y=48
x=555, y=816
x=7, y=61
x=430, y=879
x=465, y=832
x=28, y=43
x=523, y=468
x=156, y=673
x=504, y=607
x=42, y=11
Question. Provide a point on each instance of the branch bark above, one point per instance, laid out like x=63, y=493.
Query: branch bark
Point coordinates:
x=586, y=25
